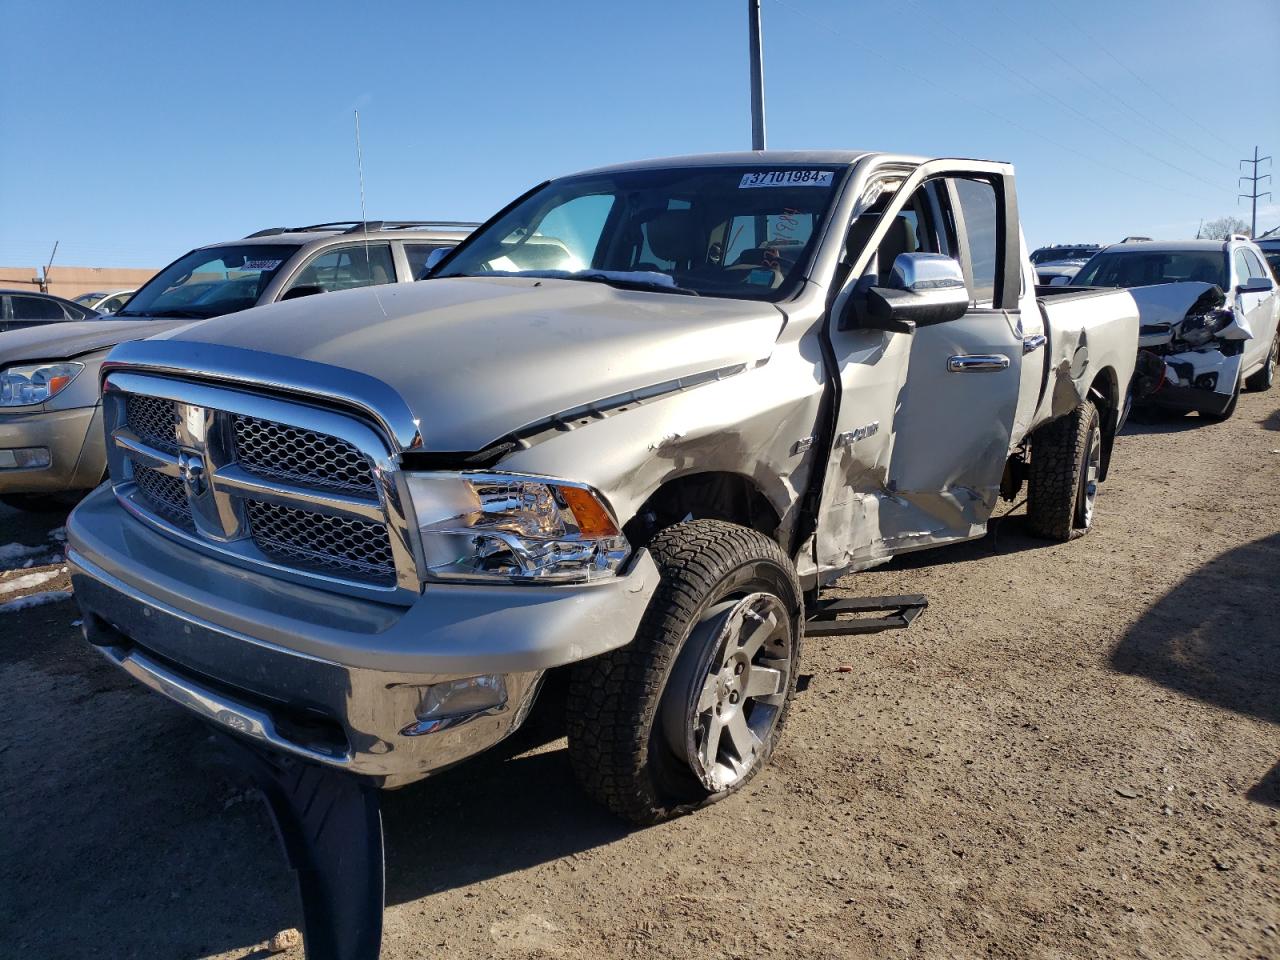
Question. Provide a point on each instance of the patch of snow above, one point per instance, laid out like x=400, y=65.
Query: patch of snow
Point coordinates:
x=27, y=580
x=17, y=551
x=59, y=534
x=35, y=600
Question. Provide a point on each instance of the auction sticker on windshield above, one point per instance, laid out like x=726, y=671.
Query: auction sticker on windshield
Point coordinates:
x=260, y=264
x=787, y=178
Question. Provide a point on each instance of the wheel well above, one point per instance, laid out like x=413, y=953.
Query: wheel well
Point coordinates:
x=1104, y=392
x=732, y=497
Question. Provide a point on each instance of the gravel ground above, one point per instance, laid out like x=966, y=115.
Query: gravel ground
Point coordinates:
x=1072, y=754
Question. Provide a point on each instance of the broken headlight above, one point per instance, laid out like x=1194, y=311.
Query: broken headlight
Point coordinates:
x=512, y=527
x=1197, y=329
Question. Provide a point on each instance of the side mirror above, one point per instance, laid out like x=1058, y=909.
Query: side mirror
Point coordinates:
x=1059, y=281
x=302, y=290
x=922, y=289
x=1256, y=285
x=433, y=258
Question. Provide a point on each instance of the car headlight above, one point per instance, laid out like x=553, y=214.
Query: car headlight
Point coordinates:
x=36, y=382
x=511, y=527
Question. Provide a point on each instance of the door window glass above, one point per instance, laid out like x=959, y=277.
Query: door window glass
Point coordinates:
x=348, y=267
x=1256, y=270
x=977, y=200
x=36, y=308
x=1241, y=265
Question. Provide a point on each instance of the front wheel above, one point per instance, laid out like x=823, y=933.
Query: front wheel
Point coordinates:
x=1064, y=473
x=691, y=709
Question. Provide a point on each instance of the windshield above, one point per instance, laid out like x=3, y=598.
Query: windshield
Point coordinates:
x=742, y=232
x=88, y=299
x=1054, y=254
x=210, y=282
x=1146, y=267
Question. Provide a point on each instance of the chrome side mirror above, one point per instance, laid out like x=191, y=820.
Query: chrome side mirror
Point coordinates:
x=433, y=258
x=922, y=289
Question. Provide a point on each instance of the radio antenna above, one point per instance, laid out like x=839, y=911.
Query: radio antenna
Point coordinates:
x=364, y=215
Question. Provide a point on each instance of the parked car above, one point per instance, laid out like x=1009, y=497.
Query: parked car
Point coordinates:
x=1059, y=262
x=20, y=309
x=1269, y=244
x=359, y=529
x=1213, y=330
x=50, y=419
x=104, y=302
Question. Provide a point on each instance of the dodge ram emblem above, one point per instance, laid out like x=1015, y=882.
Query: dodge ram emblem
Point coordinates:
x=191, y=470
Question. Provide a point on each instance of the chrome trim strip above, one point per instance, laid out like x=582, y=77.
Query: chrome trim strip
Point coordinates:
x=212, y=706
x=159, y=460
x=978, y=363
x=315, y=500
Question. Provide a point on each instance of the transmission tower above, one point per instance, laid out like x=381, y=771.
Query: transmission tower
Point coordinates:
x=1254, y=194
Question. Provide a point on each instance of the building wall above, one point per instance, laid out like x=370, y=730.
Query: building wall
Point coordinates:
x=70, y=282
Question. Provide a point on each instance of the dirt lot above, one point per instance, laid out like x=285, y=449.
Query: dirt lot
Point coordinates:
x=1072, y=754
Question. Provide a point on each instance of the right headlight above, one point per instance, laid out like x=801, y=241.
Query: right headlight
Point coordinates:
x=31, y=383
x=515, y=528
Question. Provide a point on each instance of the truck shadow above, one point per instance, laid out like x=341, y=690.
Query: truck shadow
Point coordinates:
x=514, y=807
x=1215, y=637
x=1153, y=420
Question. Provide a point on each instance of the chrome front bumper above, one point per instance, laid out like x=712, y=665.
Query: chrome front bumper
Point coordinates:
x=336, y=680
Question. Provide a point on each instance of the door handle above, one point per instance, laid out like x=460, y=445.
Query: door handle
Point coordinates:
x=1033, y=343
x=977, y=363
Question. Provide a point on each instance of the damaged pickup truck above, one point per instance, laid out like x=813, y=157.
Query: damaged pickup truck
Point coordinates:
x=361, y=533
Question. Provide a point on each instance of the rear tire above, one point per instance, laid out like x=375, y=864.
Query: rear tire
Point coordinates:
x=1263, y=379
x=690, y=711
x=1063, y=476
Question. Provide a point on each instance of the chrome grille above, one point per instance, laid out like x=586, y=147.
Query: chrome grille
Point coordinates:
x=165, y=495
x=293, y=488
x=152, y=420
x=341, y=545
x=294, y=454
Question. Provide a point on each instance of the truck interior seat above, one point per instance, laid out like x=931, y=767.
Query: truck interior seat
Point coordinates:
x=672, y=235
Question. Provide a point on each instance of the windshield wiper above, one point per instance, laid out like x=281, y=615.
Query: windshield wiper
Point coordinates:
x=177, y=314
x=623, y=282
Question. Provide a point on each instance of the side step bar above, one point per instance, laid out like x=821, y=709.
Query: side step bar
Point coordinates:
x=824, y=616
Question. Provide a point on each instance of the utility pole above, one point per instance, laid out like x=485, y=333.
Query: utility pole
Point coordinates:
x=757, y=76
x=44, y=279
x=1254, y=194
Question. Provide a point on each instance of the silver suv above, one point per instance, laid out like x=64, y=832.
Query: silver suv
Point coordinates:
x=51, y=447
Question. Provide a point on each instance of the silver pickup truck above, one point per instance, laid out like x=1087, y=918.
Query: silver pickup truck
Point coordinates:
x=632, y=426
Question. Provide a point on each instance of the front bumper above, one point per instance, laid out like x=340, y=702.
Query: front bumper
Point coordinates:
x=77, y=451
x=333, y=679
x=1203, y=381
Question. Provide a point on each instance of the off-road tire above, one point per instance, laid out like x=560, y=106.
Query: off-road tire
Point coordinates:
x=616, y=745
x=1056, y=474
x=1263, y=379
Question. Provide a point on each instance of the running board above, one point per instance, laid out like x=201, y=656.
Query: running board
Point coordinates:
x=823, y=620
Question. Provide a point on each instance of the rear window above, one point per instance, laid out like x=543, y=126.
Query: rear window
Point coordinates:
x=1147, y=267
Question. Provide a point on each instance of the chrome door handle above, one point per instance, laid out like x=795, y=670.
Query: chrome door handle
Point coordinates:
x=978, y=363
x=1033, y=343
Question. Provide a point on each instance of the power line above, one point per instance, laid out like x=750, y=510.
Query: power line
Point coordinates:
x=1044, y=91
x=979, y=105
x=1140, y=114
x=1061, y=12
x=1254, y=195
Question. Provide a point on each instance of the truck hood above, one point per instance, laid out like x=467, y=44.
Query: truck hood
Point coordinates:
x=476, y=358
x=62, y=341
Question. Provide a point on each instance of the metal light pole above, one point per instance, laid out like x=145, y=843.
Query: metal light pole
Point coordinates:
x=757, y=76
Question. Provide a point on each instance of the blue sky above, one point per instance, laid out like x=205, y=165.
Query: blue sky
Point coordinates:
x=140, y=129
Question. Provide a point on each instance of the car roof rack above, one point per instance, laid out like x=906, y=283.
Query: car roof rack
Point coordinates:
x=1238, y=236
x=359, y=226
